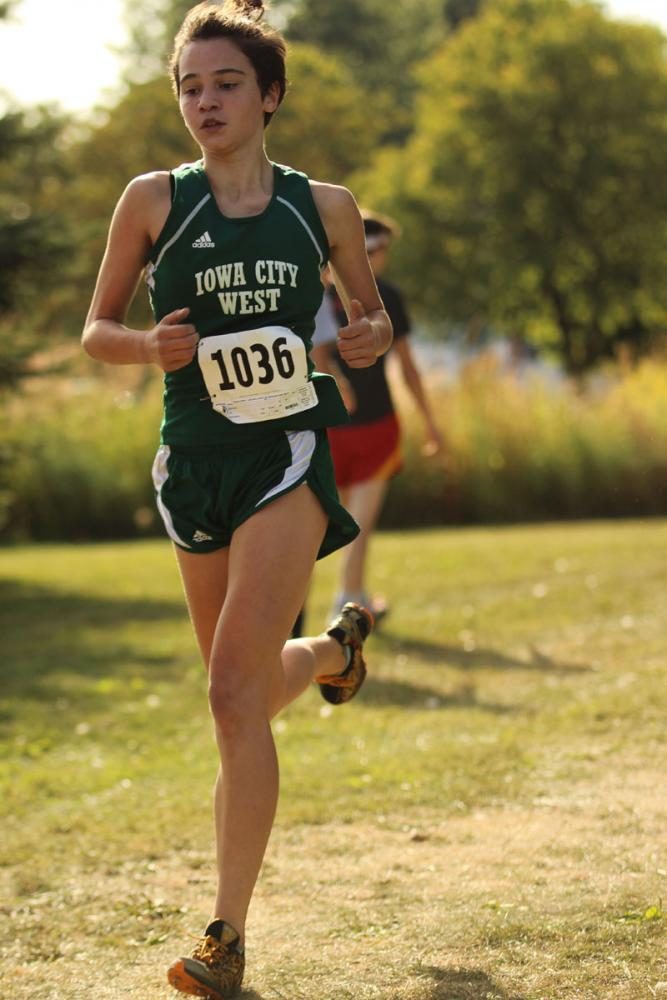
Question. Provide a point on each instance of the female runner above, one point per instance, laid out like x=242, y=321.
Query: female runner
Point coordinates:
x=232, y=248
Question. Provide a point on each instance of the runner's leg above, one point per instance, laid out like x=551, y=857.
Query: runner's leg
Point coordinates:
x=267, y=569
x=364, y=502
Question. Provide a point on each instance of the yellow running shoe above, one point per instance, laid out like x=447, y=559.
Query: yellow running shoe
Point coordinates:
x=350, y=628
x=215, y=968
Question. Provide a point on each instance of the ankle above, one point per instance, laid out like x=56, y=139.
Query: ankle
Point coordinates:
x=334, y=659
x=224, y=932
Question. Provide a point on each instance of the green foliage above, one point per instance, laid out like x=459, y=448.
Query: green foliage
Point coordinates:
x=33, y=239
x=323, y=126
x=152, y=26
x=106, y=160
x=459, y=11
x=380, y=43
x=76, y=464
x=532, y=190
x=31, y=172
x=520, y=450
x=370, y=36
x=654, y=912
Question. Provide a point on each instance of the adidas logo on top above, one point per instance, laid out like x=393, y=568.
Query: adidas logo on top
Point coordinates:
x=203, y=241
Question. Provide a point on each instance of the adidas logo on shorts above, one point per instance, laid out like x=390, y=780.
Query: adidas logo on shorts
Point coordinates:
x=201, y=536
x=203, y=241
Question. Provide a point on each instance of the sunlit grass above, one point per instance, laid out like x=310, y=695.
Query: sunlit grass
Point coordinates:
x=521, y=670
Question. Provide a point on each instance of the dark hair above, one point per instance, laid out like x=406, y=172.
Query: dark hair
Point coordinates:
x=379, y=225
x=241, y=22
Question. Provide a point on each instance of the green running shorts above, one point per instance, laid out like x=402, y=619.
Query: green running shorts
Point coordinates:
x=204, y=495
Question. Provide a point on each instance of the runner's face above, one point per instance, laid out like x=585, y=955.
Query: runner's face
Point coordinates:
x=220, y=99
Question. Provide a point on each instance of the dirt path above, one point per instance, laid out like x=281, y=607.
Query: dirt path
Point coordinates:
x=526, y=903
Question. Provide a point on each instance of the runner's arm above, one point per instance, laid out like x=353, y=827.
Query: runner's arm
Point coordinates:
x=415, y=385
x=136, y=222
x=368, y=333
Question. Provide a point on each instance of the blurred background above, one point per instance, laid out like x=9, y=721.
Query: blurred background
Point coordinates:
x=521, y=145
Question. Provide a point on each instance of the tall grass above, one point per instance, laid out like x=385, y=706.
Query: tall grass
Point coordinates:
x=76, y=464
x=75, y=457
x=524, y=448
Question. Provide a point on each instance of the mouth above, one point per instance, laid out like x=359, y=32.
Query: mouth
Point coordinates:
x=210, y=124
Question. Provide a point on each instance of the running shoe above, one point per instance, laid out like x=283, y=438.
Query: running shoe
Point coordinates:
x=350, y=628
x=377, y=605
x=215, y=968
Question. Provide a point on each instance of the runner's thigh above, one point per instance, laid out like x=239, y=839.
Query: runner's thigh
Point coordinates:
x=204, y=578
x=271, y=560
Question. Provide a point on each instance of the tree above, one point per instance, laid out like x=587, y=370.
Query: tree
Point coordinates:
x=533, y=189
x=380, y=43
x=458, y=11
x=322, y=127
x=33, y=237
x=152, y=26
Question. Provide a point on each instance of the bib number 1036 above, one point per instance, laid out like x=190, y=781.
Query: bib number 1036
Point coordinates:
x=256, y=374
x=255, y=364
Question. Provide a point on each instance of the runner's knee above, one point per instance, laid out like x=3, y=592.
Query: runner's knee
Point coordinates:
x=239, y=695
x=233, y=706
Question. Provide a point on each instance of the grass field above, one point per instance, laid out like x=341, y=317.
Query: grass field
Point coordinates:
x=485, y=822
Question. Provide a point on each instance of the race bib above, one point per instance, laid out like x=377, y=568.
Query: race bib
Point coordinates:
x=256, y=375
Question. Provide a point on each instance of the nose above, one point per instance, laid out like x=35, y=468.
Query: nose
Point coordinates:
x=209, y=99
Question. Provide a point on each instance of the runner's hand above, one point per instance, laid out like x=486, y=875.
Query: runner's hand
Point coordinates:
x=434, y=445
x=357, y=343
x=171, y=344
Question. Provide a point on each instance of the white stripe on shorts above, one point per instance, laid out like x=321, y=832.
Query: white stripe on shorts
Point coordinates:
x=160, y=477
x=302, y=445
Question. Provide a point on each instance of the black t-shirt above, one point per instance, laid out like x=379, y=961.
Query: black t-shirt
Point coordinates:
x=370, y=384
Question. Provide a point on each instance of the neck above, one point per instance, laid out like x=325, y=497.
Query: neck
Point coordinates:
x=239, y=172
x=241, y=185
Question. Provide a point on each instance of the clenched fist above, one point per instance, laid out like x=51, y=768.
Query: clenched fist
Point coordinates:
x=171, y=344
x=357, y=343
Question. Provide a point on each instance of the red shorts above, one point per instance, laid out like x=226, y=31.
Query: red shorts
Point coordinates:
x=369, y=451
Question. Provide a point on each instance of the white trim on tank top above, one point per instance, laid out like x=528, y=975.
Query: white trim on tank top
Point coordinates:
x=297, y=213
x=180, y=230
x=200, y=205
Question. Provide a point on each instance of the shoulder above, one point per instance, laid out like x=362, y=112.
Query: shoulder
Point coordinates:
x=331, y=198
x=151, y=187
x=338, y=210
x=147, y=201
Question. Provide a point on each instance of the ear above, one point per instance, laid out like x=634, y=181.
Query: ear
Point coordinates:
x=272, y=97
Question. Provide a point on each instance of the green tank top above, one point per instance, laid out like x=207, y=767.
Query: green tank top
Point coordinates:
x=238, y=275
